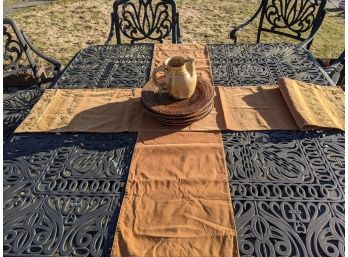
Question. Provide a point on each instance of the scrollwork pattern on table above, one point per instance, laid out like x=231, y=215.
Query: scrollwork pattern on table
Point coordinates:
x=264, y=166
x=108, y=66
x=287, y=188
x=63, y=193
x=68, y=226
x=290, y=229
x=17, y=105
x=232, y=65
x=262, y=64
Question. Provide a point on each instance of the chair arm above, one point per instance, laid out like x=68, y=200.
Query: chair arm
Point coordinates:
x=338, y=69
x=234, y=31
x=339, y=60
x=57, y=65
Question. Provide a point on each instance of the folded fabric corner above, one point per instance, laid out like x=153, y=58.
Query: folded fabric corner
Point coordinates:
x=313, y=106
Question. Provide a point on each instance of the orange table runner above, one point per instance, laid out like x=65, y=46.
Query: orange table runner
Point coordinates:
x=235, y=108
x=177, y=200
x=255, y=108
x=314, y=106
x=102, y=111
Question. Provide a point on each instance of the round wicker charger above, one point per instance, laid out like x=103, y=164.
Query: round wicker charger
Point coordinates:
x=178, y=117
x=181, y=122
x=165, y=105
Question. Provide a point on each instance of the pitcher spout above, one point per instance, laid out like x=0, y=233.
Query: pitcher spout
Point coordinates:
x=190, y=66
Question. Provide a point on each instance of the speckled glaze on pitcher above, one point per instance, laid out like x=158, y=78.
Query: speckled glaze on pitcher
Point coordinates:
x=180, y=77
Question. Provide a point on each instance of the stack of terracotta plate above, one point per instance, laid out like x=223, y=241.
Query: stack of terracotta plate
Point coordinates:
x=167, y=110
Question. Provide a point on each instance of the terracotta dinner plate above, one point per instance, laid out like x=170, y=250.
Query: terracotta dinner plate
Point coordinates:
x=178, y=117
x=181, y=122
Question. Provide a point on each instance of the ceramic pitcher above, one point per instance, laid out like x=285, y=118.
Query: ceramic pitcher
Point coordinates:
x=180, y=77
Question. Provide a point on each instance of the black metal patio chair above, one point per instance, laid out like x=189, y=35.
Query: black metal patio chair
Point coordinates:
x=139, y=20
x=22, y=76
x=296, y=19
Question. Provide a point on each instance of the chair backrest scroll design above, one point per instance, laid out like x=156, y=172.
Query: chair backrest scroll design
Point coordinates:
x=145, y=19
x=291, y=18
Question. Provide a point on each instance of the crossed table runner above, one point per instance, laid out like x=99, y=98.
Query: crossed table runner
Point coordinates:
x=291, y=106
x=177, y=200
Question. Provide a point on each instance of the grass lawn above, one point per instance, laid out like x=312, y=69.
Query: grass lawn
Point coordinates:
x=62, y=28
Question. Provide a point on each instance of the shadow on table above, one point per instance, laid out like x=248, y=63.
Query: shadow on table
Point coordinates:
x=270, y=108
x=117, y=117
x=107, y=118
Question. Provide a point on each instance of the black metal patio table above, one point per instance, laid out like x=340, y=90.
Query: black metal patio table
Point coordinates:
x=63, y=192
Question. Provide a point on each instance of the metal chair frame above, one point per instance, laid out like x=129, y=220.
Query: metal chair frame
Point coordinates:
x=286, y=14
x=15, y=48
x=155, y=21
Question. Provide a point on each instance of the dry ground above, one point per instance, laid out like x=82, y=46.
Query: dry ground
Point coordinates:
x=64, y=27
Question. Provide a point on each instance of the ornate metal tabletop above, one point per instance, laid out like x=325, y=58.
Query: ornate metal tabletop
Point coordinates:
x=108, y=66
x=232, y=65
x=63, y=192
x=17, y=106
x=288, y=192
x=264, y=64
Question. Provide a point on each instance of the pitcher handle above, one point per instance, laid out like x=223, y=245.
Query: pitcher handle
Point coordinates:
x=161, y=86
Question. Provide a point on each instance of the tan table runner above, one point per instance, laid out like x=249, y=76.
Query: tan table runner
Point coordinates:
x=85, y=110
x=199, y=52
x=102, y=111
x=236, y=108
x=255, y=108
x=177, y=200
x=314, y=106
